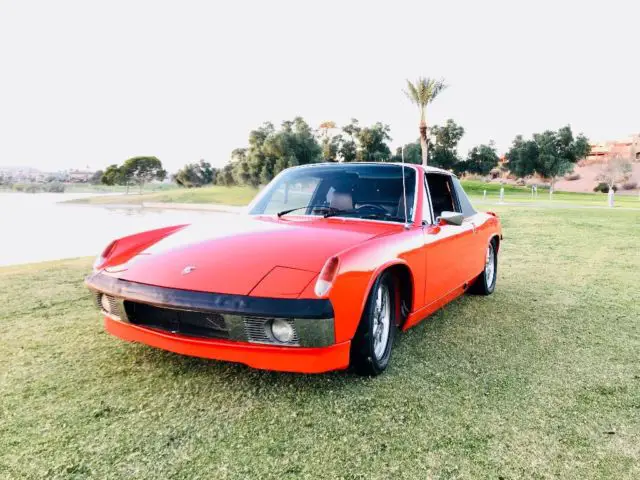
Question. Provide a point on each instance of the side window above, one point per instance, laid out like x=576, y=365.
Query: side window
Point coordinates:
x=426, y=209
x=442, y=197
x=465, y=204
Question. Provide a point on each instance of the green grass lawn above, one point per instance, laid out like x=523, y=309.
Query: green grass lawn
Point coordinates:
x=539, y=380
x=560, y=199
x=214, y=194
x=88, y=188
x=515, y=194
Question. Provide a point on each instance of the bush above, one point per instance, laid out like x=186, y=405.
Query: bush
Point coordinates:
x=474, y=177
x=572, y=176
x=55, y=187
x=495, y=172
x=26, y=187
x=629, y=185
x=604, y=188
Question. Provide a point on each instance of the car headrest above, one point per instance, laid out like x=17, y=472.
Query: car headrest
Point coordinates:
x=341, y=201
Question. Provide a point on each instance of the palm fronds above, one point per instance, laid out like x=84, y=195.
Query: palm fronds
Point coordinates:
x=424, y=90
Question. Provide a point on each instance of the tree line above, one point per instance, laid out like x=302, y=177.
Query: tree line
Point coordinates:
x=549, y=154
x=270, y=150
x=134, y=171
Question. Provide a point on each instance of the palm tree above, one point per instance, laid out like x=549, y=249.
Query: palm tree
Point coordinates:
x=422, y=93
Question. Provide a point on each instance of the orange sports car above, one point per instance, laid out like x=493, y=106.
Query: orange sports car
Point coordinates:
x=330, y=261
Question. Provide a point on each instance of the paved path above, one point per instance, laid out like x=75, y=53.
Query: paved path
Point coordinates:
x=552, y=204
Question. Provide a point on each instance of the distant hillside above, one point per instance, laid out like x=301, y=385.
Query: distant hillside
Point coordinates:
x=587, y=180
x=12, y=169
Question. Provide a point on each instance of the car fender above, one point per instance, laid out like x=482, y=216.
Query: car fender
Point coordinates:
x=127, y=247
x=380, y=270
x=361, y=265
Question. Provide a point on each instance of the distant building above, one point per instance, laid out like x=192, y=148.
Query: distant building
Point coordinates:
x=626, y=148
x=80, y=176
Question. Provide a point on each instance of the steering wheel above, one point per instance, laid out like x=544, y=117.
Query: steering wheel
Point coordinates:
x=370, y=206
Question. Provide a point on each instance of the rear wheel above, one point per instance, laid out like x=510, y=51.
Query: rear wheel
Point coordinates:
x=485, y=284
x=371, y=346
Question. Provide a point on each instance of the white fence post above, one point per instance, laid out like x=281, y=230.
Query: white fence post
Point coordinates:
x=611, y=194
x=484, y=195
x=501, y=194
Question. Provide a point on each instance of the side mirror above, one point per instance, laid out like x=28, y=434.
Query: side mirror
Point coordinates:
x=450, y=218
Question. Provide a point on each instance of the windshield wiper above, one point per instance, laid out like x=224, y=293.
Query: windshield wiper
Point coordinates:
x=284, y=212
x=336, y=211
x=372, y=215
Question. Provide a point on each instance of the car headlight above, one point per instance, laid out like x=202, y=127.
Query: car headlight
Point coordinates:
x=282, y=330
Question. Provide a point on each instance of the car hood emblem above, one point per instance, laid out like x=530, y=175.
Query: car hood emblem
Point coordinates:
x=188, y=269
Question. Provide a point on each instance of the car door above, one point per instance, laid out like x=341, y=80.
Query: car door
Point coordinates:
x=475, y=248
x=446, y=246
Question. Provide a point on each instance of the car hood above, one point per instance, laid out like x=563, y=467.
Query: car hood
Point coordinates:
x=235, y=256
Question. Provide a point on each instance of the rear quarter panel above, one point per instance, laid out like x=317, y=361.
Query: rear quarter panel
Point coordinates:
x=487, y=227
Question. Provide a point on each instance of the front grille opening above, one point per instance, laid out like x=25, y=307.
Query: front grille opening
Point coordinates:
x=259, y=331
x=96, y=298
x=114, y=304
x=194, y=324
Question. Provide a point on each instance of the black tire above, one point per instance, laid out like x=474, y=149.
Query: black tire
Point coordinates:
x=482, y=285
x=364, y=360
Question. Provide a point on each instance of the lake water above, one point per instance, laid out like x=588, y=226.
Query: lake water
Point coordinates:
x=35, y=227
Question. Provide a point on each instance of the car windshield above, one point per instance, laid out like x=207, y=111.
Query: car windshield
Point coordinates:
x=369, y=191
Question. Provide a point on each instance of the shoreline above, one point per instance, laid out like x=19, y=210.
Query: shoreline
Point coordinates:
x=212, y=207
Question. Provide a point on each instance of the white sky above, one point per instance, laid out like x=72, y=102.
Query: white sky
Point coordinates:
x=93, y=83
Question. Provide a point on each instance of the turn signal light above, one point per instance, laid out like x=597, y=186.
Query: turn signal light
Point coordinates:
x=326, y=277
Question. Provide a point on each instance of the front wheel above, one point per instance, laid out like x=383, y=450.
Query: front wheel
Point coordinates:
x=485, y=284
x=371, y=346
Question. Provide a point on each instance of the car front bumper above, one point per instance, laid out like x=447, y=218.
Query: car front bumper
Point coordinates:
x=266, y=357
x=219, y=326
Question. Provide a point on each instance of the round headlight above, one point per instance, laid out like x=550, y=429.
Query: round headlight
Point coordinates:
x=104, y=301
x=281, y=330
